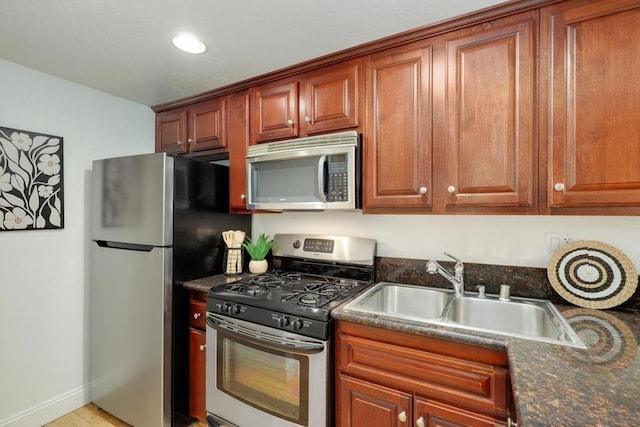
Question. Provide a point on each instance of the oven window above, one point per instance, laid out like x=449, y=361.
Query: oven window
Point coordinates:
x=271, y=380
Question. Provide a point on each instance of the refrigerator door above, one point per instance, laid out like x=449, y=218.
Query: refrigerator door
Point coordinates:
x=130, y=333
x=131, y=199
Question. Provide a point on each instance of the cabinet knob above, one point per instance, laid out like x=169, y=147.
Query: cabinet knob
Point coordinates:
x=190, y=141
x=289, y=122
x=196, y=315
x=451, y=189
x=559, y=186
x=420, y=422
x=402, y=416
x=243, y=196
x=203, y=347
x=423, y=190
x=307, y=119
x=179, y=142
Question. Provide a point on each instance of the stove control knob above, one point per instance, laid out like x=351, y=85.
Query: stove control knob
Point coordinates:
x=223, y=307
x=297, y=324
x=296, y=244
x=283, y=321
x=235, y=309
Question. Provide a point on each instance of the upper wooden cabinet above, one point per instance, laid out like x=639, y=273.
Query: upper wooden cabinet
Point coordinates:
x=490, y=122
x=398, y=134
x=323, y=100
x=199, y=129
x=274, y=111
x=450, y=122
x=526, y=107
x=238, y=133
x=590, y=104
x=333, y=97
x=171, y=131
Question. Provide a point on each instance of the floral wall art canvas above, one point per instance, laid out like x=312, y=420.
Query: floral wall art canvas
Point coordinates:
x=31, y=185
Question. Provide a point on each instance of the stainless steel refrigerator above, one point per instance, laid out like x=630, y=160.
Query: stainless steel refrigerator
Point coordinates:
x=156, y=222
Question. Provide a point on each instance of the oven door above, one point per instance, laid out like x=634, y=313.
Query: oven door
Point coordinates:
x=258, y=375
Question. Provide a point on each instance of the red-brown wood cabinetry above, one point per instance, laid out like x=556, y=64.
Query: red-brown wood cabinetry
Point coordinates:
x=197, y=130
x=590, y=104
x=398, y=136
x=197, y=355
x=386, y=378
x=323, y=100
x=490, y=123
x=238, y=143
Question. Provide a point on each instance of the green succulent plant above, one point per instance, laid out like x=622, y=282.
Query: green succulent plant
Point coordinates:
x=259, y=248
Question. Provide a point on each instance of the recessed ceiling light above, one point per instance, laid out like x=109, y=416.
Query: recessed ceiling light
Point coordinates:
x=189, y=44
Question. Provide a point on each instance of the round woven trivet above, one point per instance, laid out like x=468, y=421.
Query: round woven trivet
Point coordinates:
x=592, y=274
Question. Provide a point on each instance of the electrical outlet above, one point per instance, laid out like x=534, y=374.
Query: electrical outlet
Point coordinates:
x=557, y=240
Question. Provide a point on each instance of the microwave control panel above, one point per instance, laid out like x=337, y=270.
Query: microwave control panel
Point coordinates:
x=338, y=178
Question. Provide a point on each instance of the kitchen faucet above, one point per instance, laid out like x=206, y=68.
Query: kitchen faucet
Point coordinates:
x=457, y=279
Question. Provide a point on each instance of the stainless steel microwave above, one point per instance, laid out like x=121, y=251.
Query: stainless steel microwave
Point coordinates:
x=315, y=173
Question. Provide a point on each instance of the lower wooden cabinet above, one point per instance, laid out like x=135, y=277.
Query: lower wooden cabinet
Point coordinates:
x=387, y=379
x=363, y=403
x=197, y=355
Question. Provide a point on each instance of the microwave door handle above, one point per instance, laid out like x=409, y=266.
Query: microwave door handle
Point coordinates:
x=322, y=178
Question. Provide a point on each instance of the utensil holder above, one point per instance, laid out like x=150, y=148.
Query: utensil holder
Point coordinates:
x=233, y=261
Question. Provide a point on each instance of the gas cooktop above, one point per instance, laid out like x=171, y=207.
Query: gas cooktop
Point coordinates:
x=313, y=275
x=291, y=292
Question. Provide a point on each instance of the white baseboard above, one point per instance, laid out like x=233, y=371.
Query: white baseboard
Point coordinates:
x=50, y=410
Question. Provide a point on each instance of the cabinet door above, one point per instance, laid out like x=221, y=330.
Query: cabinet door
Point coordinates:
x=274, y=111
x=437, y=414
x=398, y=137
x=238, y=143
x=197, y=356
x=490, y=150
x=366, y=404
x=208, y=125
x=589, y=69
x=171, y=132
x=332, y=97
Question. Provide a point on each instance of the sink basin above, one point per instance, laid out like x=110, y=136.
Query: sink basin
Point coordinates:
x=406, y=301
x=516, y=317
x=519, y=317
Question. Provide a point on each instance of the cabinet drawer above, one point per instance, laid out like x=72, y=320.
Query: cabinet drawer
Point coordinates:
x=468, y=383
x=197, y=314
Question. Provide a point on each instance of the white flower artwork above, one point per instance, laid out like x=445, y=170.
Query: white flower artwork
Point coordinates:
x=31, y=185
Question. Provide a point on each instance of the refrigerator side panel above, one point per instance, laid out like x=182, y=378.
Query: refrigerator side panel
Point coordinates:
x=130, y=339
x=131, y=199
x=201, y=215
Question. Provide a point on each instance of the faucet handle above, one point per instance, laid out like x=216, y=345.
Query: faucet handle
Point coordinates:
x=480, y=289
x=459, y=261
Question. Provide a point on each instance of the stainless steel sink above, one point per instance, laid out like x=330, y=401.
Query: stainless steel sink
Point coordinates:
x=406, y=301
x=526, y=318
x=520, y=317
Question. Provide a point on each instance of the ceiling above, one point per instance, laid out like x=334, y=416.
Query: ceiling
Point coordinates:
x=123, y=47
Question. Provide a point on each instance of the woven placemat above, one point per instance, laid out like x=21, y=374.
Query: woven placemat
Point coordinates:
x=592, y=274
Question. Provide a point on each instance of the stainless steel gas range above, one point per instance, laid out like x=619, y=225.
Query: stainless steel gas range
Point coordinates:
x=268, y=336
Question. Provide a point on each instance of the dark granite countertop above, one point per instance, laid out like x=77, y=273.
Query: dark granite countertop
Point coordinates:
x=206, y=283
x=554, y=384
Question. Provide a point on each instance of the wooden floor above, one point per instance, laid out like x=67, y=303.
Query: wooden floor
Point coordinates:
x=92, y=416
x=88, y=415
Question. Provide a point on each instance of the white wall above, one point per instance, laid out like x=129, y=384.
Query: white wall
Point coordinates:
x=502, y=240
x=43, y=274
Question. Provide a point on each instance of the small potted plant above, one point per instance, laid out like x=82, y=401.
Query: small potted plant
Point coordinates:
x=258, y=250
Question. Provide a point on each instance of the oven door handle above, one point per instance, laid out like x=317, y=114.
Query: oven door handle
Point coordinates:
x=264, y=338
